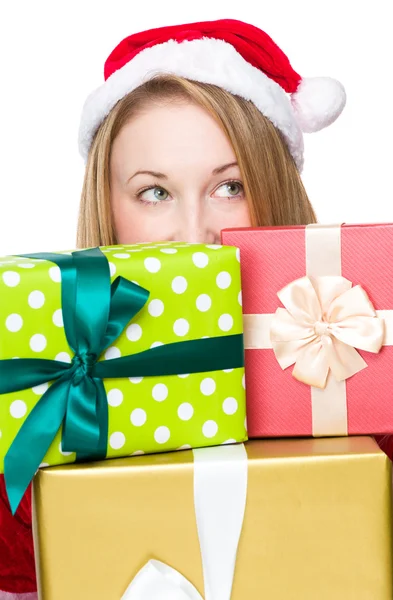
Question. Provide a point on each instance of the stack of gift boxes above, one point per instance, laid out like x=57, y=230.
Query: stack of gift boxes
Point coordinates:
x=113, y=359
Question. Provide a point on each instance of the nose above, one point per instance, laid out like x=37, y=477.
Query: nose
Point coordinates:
x=192, y=225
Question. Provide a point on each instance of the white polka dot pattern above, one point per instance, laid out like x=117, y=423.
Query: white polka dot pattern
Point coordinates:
x=11, y=279
x=208, y=386
x=138, y=417
x=112, y=352
x=40, y=389
x=225, y=322
x=117, y=440
x=160, y=392
x=155, y=308
x=63, y=356
x=203, y=302
x=194, y=293
x=179, y=284
x=168, y=250
x=181, y=327
x=162, y=435
x=115, y=397
x=223, y=280
x=14, y=322
x=18, y=409
x=200, y=259
x=36, y=299
x=210, y=429
x=229, y=406
x=156, y=344
x=55, y=274
x=153, y=265
x=38, y=342
x=185, y=411
x=134, y=332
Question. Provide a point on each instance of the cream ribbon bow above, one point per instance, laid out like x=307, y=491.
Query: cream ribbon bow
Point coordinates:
x=323, y=321
x=158, y=581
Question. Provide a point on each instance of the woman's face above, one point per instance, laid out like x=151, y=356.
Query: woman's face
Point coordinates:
x=174, y=177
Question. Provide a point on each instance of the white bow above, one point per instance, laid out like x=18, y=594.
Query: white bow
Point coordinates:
x=158, y=581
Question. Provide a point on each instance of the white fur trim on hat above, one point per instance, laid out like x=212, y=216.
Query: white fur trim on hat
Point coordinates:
x=205, y=60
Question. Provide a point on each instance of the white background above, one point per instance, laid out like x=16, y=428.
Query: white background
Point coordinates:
x=52, y=56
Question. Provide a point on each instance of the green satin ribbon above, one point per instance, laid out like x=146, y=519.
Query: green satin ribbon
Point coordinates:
x=95, y=313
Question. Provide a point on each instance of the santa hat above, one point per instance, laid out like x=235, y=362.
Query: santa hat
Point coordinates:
x=233, y=55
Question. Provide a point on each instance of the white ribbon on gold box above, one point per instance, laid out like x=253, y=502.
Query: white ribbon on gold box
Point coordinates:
x=220, y=492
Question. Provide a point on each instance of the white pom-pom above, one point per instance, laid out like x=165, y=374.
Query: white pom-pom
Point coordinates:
x=318, y=102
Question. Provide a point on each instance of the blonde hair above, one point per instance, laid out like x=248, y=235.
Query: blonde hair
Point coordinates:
x=272, y=183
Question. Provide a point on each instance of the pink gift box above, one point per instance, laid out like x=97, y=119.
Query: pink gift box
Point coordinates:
x=279, y=405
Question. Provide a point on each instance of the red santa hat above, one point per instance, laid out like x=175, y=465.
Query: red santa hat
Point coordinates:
x=233, y=55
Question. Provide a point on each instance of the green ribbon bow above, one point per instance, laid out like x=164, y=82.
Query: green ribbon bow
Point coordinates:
x=94, y=313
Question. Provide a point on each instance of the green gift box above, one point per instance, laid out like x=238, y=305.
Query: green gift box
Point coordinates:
x=118, y=351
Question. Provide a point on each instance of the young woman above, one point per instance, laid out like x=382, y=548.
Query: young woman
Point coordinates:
x=179, y=104
x=197, y=128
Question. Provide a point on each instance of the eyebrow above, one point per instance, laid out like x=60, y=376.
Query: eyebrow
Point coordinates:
x=159, y=175
x=152, y=173
x=223, y=168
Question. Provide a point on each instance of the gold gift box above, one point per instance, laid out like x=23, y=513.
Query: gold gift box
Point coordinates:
x=317, y=523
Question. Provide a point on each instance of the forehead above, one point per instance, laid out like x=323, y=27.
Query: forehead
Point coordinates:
x=171, y=132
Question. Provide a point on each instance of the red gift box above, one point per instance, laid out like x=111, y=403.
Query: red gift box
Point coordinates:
x=342, y=381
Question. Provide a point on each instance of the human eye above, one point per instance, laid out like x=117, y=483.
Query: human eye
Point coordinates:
x=153, y=194
x=230, y=190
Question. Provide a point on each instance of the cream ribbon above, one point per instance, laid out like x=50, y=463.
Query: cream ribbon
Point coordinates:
x=323, y=321
x=220, y=493
x=329, y=403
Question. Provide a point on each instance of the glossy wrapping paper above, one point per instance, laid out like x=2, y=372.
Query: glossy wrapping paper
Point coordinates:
x=194, y=293
x=317, y=523
x=272, y=258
